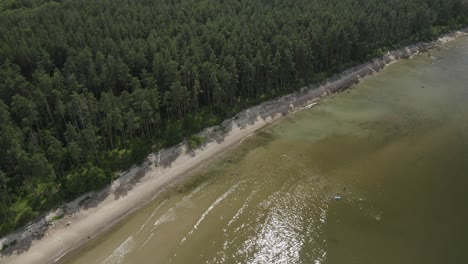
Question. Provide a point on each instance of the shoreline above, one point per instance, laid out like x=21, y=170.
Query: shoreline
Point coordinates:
x=48, y=240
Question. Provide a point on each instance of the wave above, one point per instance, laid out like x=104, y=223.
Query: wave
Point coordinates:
x=151, y=216
x=212, y=206
x=119, y=253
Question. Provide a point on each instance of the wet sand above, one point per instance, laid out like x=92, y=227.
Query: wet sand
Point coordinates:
x=134, y=189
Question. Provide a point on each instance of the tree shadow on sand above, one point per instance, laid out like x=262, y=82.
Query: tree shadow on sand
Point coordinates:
x=165, y=158
x=126, y=184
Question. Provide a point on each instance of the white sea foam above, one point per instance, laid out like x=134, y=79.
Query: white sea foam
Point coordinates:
x=169, y=216
x=151, y=216
x=212, y=206
x=117, y=257
x=241, y=210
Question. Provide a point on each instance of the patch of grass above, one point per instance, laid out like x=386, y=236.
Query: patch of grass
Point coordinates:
x=57, y=217
x=195, y=141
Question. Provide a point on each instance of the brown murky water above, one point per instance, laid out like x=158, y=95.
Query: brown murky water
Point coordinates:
x=376, y=175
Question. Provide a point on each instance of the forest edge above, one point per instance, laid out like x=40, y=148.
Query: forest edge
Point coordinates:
x=69, y=227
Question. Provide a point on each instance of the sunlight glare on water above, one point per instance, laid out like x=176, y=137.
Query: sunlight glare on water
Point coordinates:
x=373, y=175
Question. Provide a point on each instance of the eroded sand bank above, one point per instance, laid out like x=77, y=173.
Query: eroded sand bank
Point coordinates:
x=46, y=241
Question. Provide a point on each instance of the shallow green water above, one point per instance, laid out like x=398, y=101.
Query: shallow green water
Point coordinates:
x=395, y=149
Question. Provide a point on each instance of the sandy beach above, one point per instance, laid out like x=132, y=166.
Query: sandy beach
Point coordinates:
x=50, y=238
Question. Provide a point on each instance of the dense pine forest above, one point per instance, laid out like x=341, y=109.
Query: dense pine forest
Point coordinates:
x=89, y=87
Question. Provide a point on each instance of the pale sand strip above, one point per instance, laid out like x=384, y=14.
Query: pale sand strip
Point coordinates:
x=174, y=163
